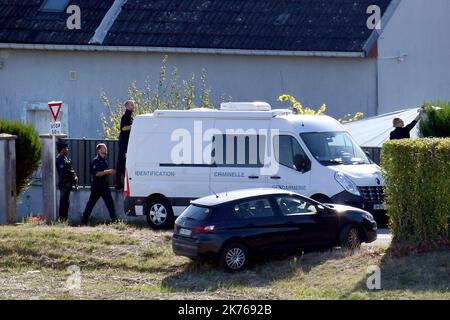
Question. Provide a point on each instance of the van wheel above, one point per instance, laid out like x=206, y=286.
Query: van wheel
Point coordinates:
x=159, y=213
x=350, y=238
x=234, y=257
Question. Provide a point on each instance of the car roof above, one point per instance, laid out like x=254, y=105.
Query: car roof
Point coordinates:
x=221, y=198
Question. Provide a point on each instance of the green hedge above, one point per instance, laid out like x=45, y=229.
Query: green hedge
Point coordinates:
x=28, y=151
x=417, y=174
x=436, y=123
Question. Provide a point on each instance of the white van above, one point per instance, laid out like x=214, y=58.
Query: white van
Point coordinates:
x=176, y=156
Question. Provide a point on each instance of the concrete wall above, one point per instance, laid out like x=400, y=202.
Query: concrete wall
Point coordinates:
x=420, y=29
x=30, y=203
x=345, y=85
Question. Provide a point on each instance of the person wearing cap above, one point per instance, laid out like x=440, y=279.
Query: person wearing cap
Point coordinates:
x=67, y=178
x=125, y=129
x=401, y=131
x=100, y=185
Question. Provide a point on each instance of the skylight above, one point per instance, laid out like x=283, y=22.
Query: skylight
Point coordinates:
x=54, y=5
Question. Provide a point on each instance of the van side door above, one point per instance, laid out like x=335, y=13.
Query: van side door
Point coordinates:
x=238, y=155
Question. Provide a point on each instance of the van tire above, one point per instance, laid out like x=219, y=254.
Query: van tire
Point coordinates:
x=159, y=213
x=234, y=257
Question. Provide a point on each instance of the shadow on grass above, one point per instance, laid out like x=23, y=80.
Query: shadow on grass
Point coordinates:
x=416, y=272
x=198, y=277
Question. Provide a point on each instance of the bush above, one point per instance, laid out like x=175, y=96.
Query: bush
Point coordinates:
x=436, y=123
x=28, y=151
x=300, y=109
x=417, y=174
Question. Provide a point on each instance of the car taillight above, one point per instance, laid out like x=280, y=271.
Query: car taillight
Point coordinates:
x=204, y=229
x=126, y=191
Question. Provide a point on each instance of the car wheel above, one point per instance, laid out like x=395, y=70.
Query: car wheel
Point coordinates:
x=159, y=213
x=234, y=257
x=350, y=238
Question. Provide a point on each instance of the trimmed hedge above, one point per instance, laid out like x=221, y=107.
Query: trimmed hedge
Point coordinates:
x=417, y=175
x=436, y=123
x=28, y=151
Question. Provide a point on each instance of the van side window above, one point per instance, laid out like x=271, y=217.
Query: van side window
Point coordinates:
x=236, y=150
x=260, y=208
x=295, y=206
x=289, y=151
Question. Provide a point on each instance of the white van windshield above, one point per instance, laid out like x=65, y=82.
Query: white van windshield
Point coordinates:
x=334, y=148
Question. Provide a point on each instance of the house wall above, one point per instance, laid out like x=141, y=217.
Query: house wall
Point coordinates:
x=420, y=29
x=29, y=78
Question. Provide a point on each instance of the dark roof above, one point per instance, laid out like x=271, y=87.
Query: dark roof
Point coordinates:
x=297, y=25
x=22, y=22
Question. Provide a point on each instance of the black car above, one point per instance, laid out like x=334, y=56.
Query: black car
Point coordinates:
x=233, y=227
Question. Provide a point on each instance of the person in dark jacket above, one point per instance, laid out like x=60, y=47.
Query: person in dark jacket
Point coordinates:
x=100, y=185
x=67, y=179
x=401, y=131
x=125, y=128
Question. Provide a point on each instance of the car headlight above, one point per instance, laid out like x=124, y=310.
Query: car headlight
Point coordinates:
x=367, y=216
x=347, y=183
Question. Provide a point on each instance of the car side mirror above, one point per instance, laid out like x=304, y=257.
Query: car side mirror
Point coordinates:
x=320, y=208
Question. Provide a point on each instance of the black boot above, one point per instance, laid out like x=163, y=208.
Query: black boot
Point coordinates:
x=84, y=220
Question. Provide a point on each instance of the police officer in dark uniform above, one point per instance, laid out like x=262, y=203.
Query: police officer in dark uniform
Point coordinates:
x=401, y=131
x=124, y=136
x=67, y=181
x=100, y=185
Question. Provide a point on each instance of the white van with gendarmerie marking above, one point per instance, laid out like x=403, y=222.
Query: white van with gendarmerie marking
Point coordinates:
x=175, y=156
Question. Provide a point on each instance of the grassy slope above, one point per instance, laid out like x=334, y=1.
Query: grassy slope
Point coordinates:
x=129, y=262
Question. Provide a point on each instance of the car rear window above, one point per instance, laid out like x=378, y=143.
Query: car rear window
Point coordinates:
x=196, y=213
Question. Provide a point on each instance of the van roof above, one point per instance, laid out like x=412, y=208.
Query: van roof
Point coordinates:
x=219, y=114
x=214, y=200
x=282, y=118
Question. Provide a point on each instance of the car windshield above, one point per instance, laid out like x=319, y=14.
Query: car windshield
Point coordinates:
x=334, y=148
x=196, y=213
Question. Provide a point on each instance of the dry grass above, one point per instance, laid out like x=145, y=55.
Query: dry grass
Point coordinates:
x=132, y=262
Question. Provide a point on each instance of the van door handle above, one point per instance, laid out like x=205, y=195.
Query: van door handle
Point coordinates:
x=253, y=177
x=275, y=177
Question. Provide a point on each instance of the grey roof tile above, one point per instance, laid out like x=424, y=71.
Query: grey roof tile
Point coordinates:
x=298, y=25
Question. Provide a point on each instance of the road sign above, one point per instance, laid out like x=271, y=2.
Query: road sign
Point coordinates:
x=55, y=109
x=56, y=128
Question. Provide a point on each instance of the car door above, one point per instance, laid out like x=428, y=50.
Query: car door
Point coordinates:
x=307, y=223
x=260, y=225
x=294, y=171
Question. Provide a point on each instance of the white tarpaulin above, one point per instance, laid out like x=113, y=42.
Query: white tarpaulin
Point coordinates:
x=373, y=132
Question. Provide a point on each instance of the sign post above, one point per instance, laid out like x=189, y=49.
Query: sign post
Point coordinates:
x=55, y=129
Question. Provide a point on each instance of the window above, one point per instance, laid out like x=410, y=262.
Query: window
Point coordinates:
x=334, y=148
x=288, y=151
x=54, y=5
x=295, y=206
x=233, y=150
x=260, y=208
x=196, y=213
